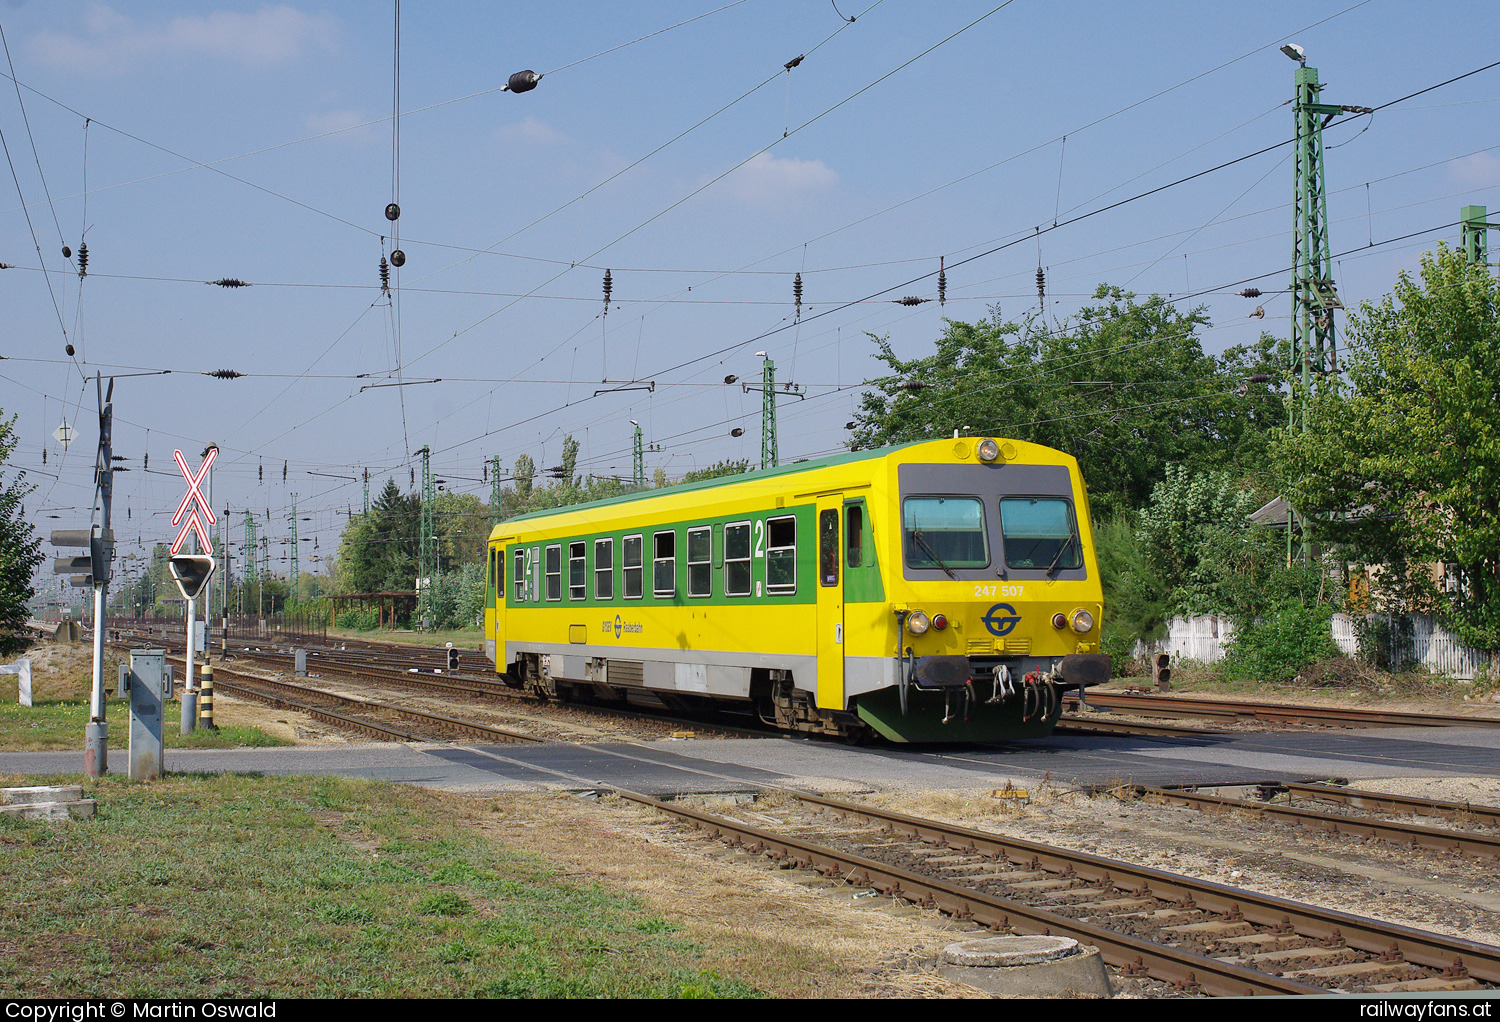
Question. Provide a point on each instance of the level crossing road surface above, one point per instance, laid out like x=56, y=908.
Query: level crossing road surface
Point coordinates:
x=722, y=765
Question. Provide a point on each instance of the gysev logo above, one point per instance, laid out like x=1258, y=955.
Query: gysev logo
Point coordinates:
x=1001, y=619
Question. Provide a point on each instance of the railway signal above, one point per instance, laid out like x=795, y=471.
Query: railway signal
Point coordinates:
x=191, y=572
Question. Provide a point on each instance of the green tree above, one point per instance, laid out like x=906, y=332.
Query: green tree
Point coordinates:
x=20, y=548
x=1400, y=465
x=1125, y=388
x=718, y=470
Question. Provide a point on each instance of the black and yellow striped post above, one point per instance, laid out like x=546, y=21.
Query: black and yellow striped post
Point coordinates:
x=206, y=698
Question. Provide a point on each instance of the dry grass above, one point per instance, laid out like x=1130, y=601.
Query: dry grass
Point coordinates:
x=759, y=925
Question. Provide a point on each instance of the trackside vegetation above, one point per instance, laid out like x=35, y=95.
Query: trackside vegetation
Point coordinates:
x=302, y=887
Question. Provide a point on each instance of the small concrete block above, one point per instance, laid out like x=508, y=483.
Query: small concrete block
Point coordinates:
x=50, y=810
x=1027, y=966
x=42, y=793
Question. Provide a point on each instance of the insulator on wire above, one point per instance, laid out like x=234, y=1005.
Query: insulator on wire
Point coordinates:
x=385, y=274
x=797, y=293
x=913, y=385
x=83, y=259
x=911, y=300
x=392, y=212
x=69, y=349
x=67, y=252
x=7, y=266
x=283, y=471
x=229, y=282
x=262, y=473
x=225, y=374
x=1041, y=285
x=609, y=287
x=146, y=462
x=942, y=283
x=398, y=258
x=1249, y=292
x=44, y=455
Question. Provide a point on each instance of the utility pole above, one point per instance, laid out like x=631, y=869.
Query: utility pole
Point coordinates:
x=425, y=571
x=367, y=493
x=495, y=492
x=769, y=450
x=292, y=590
x=1314, y=297
x=1475, y=235
x=638, y=462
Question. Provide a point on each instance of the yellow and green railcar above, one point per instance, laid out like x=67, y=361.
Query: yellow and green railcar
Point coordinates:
x=937, y=591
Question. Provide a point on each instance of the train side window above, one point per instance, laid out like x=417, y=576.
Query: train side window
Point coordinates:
x=604, y=569
x=737, y=559
x=554, y=572
x=520, y=575
x=577, y=571
x=664, y=565
x=854, y=536
x=828, y=547
x=699, y=562
x=631, y=557
x=781, y=555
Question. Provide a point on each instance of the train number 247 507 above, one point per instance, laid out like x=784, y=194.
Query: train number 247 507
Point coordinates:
x=991, y=592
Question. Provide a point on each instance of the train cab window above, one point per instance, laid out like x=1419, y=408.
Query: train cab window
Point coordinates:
x=828, y=547
x=944, y=532
x=604, y=569
x=497, y=572
x=781, y=555
x=664, y=565
x=1039, y=533
x=737, y=559
x=700, y=562
x=520, y=575
x=854, y=536
x=577, y=571
x=631, y=561
x=554, y=572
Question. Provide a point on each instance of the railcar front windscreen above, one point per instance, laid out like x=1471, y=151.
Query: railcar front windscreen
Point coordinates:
x=1039, y=532
x=945, y=532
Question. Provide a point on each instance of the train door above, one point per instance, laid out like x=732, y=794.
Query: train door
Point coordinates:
x=830, y=614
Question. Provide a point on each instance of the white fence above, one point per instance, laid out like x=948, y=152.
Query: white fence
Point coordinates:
x=1433, y=646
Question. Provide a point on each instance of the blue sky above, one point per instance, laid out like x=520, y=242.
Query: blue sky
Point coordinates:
x=667, y=143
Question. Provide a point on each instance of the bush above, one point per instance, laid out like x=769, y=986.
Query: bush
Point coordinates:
x=1279, y=645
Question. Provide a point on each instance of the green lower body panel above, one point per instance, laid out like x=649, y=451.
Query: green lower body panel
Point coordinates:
x=923, y=720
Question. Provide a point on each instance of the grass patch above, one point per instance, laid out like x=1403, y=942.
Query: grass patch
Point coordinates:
x=58, y=725
x=233, y=886
x=463, y=638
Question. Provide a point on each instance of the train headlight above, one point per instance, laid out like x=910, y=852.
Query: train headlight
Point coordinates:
x=988, y=450
x=918, y=624
x=1083, y=622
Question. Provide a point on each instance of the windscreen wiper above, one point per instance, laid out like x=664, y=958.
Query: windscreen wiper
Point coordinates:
x=1060, y=551
x=917, y=537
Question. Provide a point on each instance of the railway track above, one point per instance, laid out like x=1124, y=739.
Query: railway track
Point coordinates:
x=1275, y=801
x=1197, y=936
x=1240, y=711
x=371, y=717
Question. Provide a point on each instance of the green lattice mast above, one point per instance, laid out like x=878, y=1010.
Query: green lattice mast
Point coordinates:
x=426, y=536
x=1314, y=297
